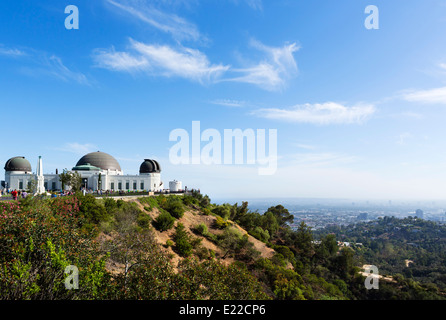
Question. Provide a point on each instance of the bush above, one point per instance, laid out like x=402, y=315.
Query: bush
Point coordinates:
x=164, y=221
x=149, y=202
x=143, y=220
x=189, y=200
x=174, y=206
x=223, y=211
x=260, y=234
x=221, y=223
x=183, y=245
x=92, y=210
x=202, y=229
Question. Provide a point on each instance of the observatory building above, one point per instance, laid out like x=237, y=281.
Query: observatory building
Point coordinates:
x=99, y=171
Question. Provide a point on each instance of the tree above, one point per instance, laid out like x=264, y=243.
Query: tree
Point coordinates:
x=65, y=178
x=32, y=185
x=303, y=242
x=282, y=215
x=183, y=241
x=71, y=179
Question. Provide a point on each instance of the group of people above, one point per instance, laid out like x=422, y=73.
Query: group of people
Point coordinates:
x=14, y=193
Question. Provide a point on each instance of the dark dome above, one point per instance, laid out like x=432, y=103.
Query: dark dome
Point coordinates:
x=149, y=166
x=18, y=164
x=99, y=159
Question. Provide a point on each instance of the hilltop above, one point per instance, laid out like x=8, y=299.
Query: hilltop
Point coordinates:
x=190, y=219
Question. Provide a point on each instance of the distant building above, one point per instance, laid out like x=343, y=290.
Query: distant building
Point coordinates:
x=175, y=186
x=419, y=213
x=363, y=216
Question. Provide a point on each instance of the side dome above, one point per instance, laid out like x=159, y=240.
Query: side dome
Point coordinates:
x=18, y=164
x=100, y=160
x=149, y=166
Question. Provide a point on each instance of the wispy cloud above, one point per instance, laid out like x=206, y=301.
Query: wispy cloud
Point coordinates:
x=436, y=95
x=254, y=4
x=273, y=71
x=55, y=67
x=11, y=52
x=119, y=61
x=36, y=63
x=229, y=103
x=322, y=114
x=162, y=60
x=178, y=27
x=78, y=148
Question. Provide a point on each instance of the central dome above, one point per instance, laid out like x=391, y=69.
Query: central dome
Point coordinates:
x=99, y=159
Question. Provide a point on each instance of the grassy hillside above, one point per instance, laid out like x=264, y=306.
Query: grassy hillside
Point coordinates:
x=170, y=247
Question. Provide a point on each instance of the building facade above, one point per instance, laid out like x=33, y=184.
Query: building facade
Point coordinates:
x=98, y=170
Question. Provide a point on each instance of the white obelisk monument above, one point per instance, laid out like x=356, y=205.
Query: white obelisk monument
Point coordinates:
x=40, y=179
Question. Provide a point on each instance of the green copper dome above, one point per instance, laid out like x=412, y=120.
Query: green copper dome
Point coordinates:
x=86, y=167
x=100, y=160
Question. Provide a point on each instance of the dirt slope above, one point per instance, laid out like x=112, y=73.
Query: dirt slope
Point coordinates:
x=191, y=219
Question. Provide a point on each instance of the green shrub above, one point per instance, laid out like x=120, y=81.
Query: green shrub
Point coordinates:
x=221, y=223
x=149, y=202
x=223, y=211
x=94, y=211
x=206, y=211
x=164, y=221
x=183, y=244
x=143, y=220
x=189, y=200
x=260, y=234
x=173, y=205
x=201, y=229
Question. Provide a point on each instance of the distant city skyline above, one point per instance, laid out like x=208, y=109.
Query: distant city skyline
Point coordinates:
x=359, y=112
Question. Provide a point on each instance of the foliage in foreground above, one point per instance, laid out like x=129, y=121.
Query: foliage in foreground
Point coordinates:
x=112, y=244
x=39, y=238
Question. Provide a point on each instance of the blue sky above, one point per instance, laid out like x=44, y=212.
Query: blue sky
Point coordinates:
x=359, y=113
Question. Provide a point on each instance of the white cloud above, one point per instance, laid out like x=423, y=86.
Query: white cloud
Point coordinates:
x=11, y=52
x=254, y=4
x=184, y=62
x=162, y=60
x=437, y=95
x=119, y=61
x=271, y=74
x=57, y=69
x=37, y=63
x=229, y=103
x=170, y=23
x=322, y=114
x=78, y=148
